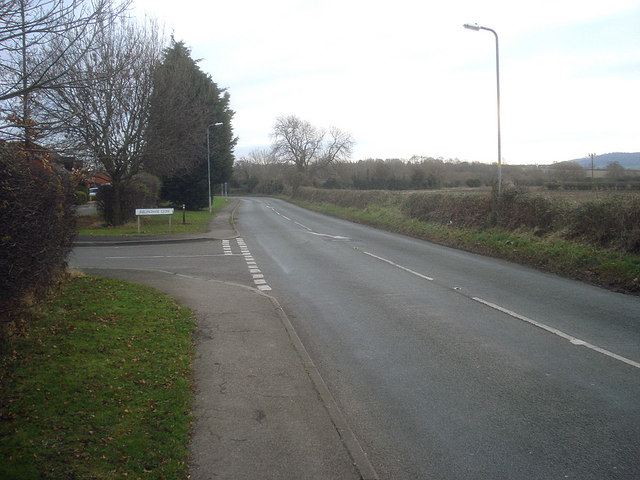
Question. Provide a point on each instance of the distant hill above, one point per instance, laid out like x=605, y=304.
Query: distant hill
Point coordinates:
x=627, y=160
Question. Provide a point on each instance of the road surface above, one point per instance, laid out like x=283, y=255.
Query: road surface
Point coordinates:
x=445, y=364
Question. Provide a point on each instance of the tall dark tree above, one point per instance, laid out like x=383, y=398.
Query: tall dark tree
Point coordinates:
x=184, y=105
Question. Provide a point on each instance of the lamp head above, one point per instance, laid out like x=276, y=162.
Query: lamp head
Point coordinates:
x=473, y=26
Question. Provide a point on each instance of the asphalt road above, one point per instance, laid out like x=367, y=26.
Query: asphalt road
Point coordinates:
x=445, y=364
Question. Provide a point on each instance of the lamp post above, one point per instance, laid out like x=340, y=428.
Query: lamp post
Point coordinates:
x=476, y=28
x=209, y=161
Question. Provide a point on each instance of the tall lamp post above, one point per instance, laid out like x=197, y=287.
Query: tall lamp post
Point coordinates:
x=209, y=161
x=477, y=27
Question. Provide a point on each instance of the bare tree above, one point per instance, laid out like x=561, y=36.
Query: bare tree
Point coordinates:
x=35, y=37
x=260, y=156
x=300, y=143
x=107, y=117
x=296, y=141
x=338, y=147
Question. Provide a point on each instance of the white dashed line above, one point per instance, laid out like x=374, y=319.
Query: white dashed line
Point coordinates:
x=398, y=266
x=256, y=274
x=226, y=247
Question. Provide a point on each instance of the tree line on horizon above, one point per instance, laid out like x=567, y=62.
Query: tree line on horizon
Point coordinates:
x=262, y=172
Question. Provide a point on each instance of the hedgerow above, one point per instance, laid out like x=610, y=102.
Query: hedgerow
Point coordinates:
x=610, y=222
x=38, y=225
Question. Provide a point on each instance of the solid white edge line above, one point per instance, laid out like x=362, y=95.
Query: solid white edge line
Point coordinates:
x=559, y=333
x=398, y=266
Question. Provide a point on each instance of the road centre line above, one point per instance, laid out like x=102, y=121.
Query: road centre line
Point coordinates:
x=425, y=277
x=559, y=333
x=303, y=226
x=334, y=237
x=278, y=213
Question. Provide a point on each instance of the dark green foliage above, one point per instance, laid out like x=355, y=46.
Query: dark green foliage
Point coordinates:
x=188, y=187
x=473, y=182
x=142, y=192
x=184, y=105
x=38, y=224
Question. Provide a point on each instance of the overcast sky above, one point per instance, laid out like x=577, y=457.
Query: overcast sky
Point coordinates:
x=405, y=78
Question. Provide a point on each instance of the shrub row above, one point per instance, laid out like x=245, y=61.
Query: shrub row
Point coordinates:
x=360, y=199
x=606, y=185
x=38, y=224
x=612, y=222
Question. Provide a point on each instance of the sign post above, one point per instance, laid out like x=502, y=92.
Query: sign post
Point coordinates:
x=154, y=211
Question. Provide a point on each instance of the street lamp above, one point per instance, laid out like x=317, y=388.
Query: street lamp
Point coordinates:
x=476, y=28
x=209, y=161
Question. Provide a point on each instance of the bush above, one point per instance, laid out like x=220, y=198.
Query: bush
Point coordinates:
x=81, y=197
x=460, y=210
x=142, y=192
x=473, y=182
x=517, y=209
x=612, y=222
x=38, y=223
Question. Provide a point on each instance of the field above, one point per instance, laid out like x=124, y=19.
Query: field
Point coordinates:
x=579, y=196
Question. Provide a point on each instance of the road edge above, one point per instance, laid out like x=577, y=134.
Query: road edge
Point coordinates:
x=358, y=455
x=354, y=448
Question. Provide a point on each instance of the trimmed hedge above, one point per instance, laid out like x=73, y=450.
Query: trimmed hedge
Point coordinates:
x=38, y=225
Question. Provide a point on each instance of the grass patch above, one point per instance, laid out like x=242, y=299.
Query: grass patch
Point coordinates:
x=97, y=384
x=195, y=222
x=609, y=268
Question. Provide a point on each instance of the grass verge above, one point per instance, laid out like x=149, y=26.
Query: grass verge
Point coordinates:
x=612, y=269
x=98, y=385
x=195, y=222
